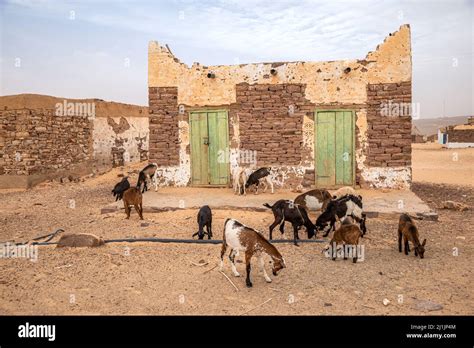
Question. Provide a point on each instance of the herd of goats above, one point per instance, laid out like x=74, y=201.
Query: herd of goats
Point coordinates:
x=342, y=206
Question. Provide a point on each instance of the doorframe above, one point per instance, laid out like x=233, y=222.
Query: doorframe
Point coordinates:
x=207, y=110
x=352, y=111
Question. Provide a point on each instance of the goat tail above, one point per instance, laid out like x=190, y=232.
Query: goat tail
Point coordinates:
x=268, y=206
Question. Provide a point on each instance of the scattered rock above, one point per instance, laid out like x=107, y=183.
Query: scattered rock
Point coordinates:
x=426, y=305
x=37, y=203
x=461, y=237
x=80, y=240
x=327, y=304
x=386, y=302
x=452, y=205
x=144, y=224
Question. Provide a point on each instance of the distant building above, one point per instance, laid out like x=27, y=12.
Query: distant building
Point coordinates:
x=459, y=136
x=416, y=136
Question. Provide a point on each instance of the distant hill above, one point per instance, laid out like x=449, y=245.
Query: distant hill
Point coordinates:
x=429, y=126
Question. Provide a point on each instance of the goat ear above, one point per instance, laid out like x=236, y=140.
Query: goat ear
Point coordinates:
x=424, y=242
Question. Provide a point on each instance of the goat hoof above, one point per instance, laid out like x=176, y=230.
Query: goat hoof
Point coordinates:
x=354, y=260
x=268, y=280
x=249, y=285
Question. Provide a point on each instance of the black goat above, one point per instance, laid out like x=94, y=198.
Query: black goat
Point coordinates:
x=120, y=188
x=254, y=179
x=284, y=210
x=348, y=205
x=204, y=218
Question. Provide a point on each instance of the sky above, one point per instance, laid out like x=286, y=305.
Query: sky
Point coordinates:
x=98, y=49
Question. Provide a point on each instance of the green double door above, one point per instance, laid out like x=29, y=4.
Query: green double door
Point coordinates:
x=334, y=148
x=209, y=148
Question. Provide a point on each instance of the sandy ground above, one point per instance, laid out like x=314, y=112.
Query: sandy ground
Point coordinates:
x=432, y=163
x=153, y=278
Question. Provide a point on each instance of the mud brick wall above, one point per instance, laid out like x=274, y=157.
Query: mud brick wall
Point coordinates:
x=266, y=123
x=389, y=137
x=460, y=135
x=43, y=141
x=164, y=134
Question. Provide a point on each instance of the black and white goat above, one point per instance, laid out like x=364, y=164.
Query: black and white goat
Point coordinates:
x=204, y=218
x=260, y=175
x=348, y=205
x=285, y=210
x=120, y=188
x=149, y=173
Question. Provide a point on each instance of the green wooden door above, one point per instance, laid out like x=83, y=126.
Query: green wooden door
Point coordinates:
x=209, y=142
x=334, y=148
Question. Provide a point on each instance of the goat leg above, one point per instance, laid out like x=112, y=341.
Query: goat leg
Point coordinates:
x=295, y=234
x=399, y=240
x=248, y=268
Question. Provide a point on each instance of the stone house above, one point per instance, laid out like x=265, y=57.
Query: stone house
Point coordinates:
x=322, y=124
x=45, y=137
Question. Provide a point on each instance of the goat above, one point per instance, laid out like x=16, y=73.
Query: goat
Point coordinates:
x=242, y=238
x=239, y=180
x=347, y=234
x=409, y=231
x=343, y=191
x=314, y=200
x=284, y=210
x=262, y=174
x=204, y=218
x=120, y=188
x=348, y=205
x=149, y=173
x=133, y=196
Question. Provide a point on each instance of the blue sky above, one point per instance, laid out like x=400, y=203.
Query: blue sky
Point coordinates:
x=98, y=49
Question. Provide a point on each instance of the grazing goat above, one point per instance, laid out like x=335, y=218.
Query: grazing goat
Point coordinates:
x=409, y=231
x=284, y=210
x=314, y=200
x=260, y=175
x=204, y=218
x=133, y=196
x=349, y=205
x=120, y=188
x=240, y=179
x=242, y=238
x=347, y=234
x=149, y=173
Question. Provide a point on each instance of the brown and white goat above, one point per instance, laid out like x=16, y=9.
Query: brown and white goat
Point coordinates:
x=242, y=238
x=133, y=196
x=240, y=179
x=343, y=191
x=408, y=230
x=347, y=234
